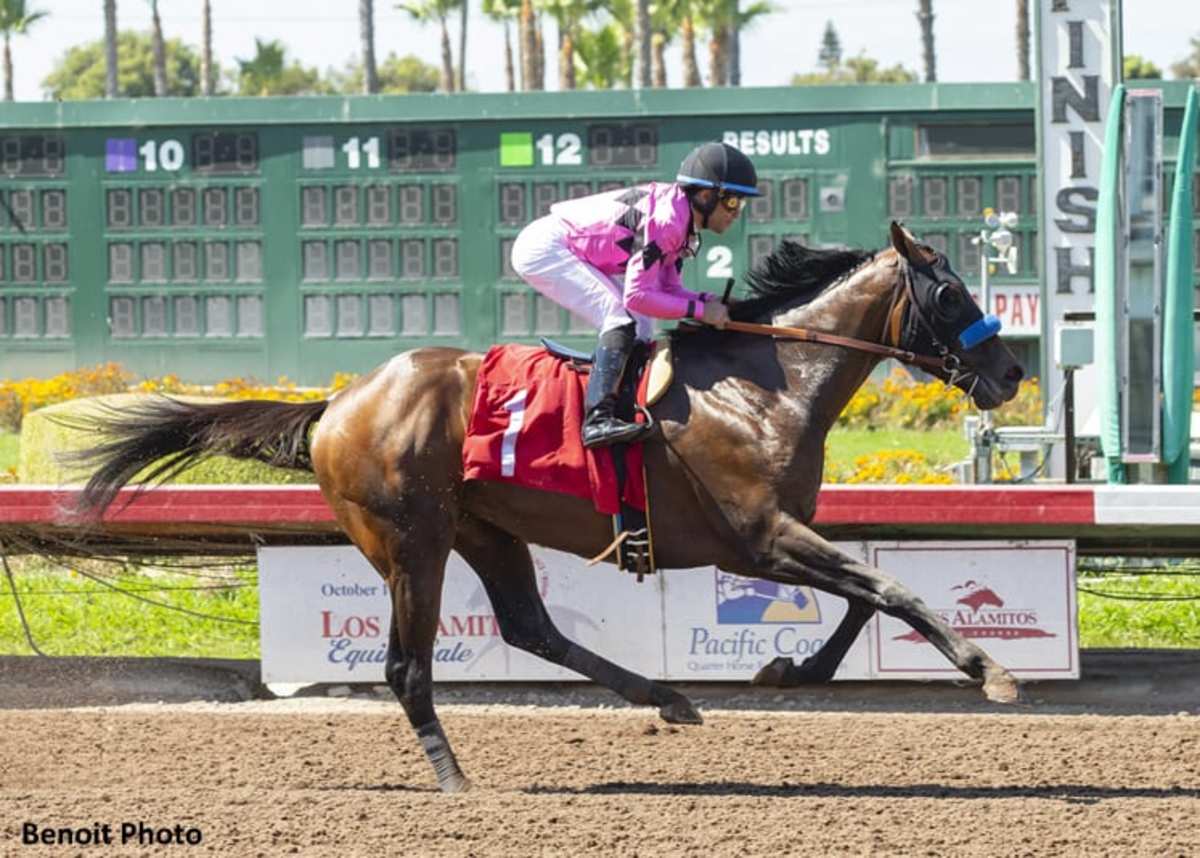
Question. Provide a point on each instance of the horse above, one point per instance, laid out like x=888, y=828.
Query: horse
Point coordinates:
x=733, y=470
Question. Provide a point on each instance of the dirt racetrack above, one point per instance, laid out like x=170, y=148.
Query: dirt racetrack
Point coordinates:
x=346, y=777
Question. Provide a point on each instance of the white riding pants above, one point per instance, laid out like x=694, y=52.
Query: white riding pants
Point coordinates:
x=542, y=258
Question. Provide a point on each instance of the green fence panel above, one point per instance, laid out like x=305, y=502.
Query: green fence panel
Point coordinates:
x=1179, y=331
x=1107, y=255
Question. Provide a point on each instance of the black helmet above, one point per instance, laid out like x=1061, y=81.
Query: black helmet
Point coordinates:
x=720, y=166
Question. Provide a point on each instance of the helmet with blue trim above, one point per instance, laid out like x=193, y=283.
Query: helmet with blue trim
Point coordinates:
x=719, y=166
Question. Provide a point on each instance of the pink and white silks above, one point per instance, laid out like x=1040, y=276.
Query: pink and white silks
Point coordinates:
x=614, y=258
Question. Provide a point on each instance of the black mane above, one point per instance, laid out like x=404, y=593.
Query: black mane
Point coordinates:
x=794, y=274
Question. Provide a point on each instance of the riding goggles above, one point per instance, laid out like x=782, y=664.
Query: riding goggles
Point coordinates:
x=731, y=202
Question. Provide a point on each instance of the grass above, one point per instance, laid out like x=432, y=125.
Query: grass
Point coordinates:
x=70, y=614
x=1153, y=623
x=940, y=446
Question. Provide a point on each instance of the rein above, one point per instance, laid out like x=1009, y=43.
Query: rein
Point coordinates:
x=806, y=335
x=902, y=300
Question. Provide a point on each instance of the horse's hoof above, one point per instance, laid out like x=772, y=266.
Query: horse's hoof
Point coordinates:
x=680, y=711
x=1002, y=688
x=774, y=675
x=455, y=784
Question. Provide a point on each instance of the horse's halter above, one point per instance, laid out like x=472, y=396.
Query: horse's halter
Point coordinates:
x=932, y=308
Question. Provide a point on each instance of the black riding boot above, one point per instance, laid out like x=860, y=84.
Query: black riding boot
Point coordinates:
x=601, y=427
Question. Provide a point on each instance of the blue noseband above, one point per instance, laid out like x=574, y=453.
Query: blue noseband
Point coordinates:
x=978, y=331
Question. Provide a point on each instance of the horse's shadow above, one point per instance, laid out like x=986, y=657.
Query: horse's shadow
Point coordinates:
x=383, y=787
x=1070, y=793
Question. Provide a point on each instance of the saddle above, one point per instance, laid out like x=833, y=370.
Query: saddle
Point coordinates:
x=647, y=378
x=661, y=371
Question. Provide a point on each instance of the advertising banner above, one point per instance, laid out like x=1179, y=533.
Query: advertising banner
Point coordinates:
x=325, y=615
x=1015, y=600
x=720, y=626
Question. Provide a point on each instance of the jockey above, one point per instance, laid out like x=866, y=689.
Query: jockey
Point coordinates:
x=614, y=259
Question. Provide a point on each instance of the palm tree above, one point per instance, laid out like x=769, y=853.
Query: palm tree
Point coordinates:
x=1022, y=39
x=641, y=40
x=506, y=11
x=925, y=17
x=623, y=13
x=268, y=72
x=742, y=19
x=110, y=48
x=713, y=17
x=735, y=48
x=366, y=34
x=687, y=28
x=15, y=19
x=568, y=14
x=601, y=60
x=722, y=18
x=160, y=51
x=540, y=35
x=207, y=78
x=462, y=46
x=665, y=19
x=427, y=11
x=539, y=41
x=530, y=79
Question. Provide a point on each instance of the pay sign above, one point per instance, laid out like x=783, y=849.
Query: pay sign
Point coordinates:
x=1016, y=307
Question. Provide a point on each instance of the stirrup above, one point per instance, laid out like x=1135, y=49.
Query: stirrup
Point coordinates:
x=617, y=432
x=634, y=555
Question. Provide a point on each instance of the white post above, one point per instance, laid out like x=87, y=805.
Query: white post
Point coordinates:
x=985, y=299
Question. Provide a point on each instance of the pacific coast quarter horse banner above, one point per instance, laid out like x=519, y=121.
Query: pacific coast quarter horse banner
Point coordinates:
x=733, y=473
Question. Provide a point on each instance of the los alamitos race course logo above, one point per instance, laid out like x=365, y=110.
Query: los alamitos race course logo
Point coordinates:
x=979, y=612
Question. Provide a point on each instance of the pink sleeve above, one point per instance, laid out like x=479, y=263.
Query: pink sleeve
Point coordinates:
x=653, y=286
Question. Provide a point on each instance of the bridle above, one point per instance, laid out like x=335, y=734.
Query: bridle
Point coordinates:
x=981, y=329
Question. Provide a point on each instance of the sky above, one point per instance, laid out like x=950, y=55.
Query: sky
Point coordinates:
x=974, y=39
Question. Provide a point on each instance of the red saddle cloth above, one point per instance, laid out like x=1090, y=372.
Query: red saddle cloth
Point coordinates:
x=525, y=429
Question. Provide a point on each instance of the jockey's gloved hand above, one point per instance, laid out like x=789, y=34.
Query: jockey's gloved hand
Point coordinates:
x=715, y=314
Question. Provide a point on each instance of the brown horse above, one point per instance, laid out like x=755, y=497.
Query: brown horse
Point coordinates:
x=733, y=474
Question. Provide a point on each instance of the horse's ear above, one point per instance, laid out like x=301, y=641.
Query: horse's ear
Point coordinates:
x=905, y=243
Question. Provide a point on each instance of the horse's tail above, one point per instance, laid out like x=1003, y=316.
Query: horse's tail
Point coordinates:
x=165, y=436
